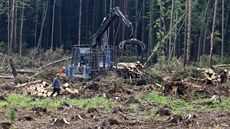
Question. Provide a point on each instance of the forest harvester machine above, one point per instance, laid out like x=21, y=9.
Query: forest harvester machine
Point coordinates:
x=93, y=60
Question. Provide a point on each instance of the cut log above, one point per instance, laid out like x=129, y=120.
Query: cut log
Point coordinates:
x=26, y=71
x=130, y=68
x=29, y=83
x=7, y=77
x=57, y=61
x=66, y=85
x=40, y=94
x=221, y=65
x=49, y=93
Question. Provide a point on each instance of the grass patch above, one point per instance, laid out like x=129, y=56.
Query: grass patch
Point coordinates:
x=158, y=99
x=180, y=106
x=98, y=102
x=133, y=106
x=19, y=101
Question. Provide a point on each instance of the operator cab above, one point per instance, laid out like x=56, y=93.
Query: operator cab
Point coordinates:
x=80, y=62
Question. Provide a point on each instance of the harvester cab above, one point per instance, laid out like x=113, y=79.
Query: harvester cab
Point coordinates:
x=99, y=56
x=80, y=65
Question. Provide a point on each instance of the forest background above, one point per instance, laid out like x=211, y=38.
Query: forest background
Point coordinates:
x=191, y=30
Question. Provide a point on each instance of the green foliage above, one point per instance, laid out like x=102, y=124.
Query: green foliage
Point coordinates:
x=24, y=3
x=19, y=101
x=180, y=106
x=226, y=59
x=12, y=114
x=15, y=101
x=1, y=8
x=187, y=72
x=152, y=76
x=53, y=55
x=217, y=37
x=47, y=102
x=204, y=61
x=133, y=106
x=156, y=98
x=168, y=67
x=2, y=46
x=91, y=103
x=161, y=61
x=128, y=58
x=3, y=105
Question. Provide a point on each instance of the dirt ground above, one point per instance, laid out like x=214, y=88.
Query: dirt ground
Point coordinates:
x=101, y=118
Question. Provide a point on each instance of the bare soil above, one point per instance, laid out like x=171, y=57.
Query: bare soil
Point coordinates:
x=122, y=118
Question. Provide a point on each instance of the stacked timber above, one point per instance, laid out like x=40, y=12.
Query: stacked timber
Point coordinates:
x=43, y=89
x=66, y=89
x=37, y=88
x=215, y=78
x=131, y=68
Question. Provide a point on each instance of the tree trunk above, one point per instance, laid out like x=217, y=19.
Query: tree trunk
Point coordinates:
x=79, y=26
x=175, y=37
x=163, y=27
x=53, y=22
x=212, y=33
x=136, y=27
x=189, y=30
x=21, y=28
x=227, y=16
x=150, y=42
x=206, y=18
x=185, y=33
x=205, y=33
x=14, y=45
x=12, y=27
x=199, y=46
x=42, y=26
x=170, y=33
x=14, y=72
x=36, y=24
x=222, y=42
x=143, y=30
x=8, y=28
x=143, y=23
x=60, y=23
x=136, y=19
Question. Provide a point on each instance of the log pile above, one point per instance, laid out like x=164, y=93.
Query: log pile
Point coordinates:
x=43, y=89
x=130, y=68
x=35, y=89
x=215, y=78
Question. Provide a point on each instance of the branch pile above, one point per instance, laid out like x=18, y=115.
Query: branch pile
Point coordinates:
x=211, y=83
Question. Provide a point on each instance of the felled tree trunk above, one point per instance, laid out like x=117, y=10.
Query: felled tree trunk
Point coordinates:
x=14, y=72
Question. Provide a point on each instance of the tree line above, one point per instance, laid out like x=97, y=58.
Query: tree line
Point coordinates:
x=189, y=29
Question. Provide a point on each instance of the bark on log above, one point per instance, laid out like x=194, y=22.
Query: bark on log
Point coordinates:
x=7, y=77
x=26, y=71
x=57, y=61
x=29, y=83
x=14, y=72
x=221, y=65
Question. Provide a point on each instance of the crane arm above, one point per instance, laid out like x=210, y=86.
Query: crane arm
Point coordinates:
x=115, y=12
